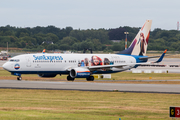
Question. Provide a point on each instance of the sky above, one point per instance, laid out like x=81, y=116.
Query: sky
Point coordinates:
x=90, y=14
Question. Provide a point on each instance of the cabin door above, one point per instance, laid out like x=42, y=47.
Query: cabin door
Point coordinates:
x=28, y=61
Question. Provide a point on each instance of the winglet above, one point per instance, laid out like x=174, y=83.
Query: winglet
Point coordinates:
x=44, y=51
x=161, y=58
x=165, y=51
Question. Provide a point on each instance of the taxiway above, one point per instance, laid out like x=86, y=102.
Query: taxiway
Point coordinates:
x=91, y=86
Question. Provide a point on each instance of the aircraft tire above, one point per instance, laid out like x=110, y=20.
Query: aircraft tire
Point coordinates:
x=90, y=78
x=19, y=78
x=69, y=78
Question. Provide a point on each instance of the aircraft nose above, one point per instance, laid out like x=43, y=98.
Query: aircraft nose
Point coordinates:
x=5, y=66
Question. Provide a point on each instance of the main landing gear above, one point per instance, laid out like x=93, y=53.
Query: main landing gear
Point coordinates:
x=69, y=78
x=19, y=78
x=90, y=78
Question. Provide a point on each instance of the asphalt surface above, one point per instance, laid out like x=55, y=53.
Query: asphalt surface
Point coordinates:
x=91, y=86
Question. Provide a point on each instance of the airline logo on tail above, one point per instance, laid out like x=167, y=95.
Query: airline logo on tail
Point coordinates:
x=140, y=42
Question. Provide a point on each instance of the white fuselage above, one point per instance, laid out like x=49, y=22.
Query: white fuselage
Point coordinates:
x=62, y=63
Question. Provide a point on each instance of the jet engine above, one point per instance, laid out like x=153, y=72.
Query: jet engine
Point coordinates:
x=80, y=72
x=47, y=75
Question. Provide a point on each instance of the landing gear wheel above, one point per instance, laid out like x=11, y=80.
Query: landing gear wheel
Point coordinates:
x=19, y=78
x=69, y=78
x=90, y=78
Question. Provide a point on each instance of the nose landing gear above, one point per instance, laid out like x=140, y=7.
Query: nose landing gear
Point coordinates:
x=17, y=74
x=19, y=78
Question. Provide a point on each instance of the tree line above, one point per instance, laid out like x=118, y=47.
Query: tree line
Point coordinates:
x=53, y=38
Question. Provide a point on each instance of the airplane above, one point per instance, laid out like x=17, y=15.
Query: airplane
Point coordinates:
x=84, y=65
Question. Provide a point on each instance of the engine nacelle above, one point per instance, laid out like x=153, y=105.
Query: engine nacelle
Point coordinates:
x=47, y=75
x=80, y=72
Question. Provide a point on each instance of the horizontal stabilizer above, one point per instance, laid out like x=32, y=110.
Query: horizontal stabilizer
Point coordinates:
x=159, y=60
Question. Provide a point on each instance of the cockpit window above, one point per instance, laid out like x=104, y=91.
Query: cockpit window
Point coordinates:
x=14, y=60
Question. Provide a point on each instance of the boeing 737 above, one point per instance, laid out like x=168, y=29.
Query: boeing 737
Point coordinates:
x=83, y=65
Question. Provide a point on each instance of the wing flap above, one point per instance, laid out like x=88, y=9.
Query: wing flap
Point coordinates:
x=117, y=65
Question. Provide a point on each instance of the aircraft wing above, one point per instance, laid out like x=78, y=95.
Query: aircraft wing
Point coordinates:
x=117, y=65
x=129, y=64
x=92, y=68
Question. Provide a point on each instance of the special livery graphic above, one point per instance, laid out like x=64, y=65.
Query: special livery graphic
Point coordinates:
x=95, y=61
x=16, y=66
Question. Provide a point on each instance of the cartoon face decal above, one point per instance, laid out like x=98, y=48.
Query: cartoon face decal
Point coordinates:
x=106, y=61
x=95, y=60
x=16, y=66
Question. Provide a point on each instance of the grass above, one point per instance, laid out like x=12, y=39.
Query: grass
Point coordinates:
x=80, y=105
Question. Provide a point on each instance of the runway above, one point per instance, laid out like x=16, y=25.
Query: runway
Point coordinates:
x=90, y=86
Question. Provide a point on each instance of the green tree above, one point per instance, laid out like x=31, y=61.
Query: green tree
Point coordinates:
x=22, y=32
x=86, y=45
x=68, y=40
x=117, y=47
x=64, y=47
x=52, y=37
x=52, y=47
x=76, y=46
x=40, y=38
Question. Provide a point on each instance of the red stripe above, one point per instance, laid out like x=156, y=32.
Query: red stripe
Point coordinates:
x=16, y=67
